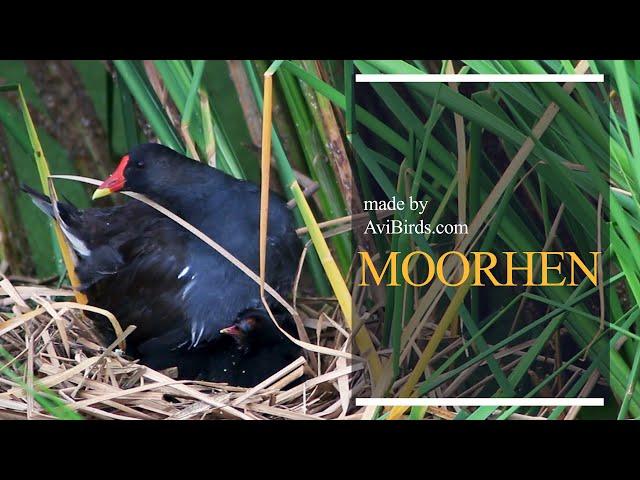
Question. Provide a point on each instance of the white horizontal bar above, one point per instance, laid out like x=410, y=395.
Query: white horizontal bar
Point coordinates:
x=467, y=78
x=480, y=402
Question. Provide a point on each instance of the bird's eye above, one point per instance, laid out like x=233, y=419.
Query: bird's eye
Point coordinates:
x=140, y=164
x=251, y=322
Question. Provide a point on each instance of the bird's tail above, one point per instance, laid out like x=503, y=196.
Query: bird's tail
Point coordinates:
x=39, y=200
x=65, y=213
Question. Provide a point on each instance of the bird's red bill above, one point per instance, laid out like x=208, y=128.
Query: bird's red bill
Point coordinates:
x=114, y=182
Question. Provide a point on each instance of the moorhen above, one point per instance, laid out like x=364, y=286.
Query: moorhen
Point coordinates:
x=152, y=273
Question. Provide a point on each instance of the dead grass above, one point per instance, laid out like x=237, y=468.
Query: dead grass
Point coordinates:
x=53, y=345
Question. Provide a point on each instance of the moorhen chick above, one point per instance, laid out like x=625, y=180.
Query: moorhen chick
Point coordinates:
x=252, y=350
x=152, y=273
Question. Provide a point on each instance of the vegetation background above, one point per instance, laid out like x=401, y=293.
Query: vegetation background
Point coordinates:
x=528, y=166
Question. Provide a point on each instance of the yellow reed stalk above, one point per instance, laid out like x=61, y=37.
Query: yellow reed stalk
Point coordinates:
x=266, y=170
x=450, y=314
x=363, y=340
x=43, y=172
x=207, y=126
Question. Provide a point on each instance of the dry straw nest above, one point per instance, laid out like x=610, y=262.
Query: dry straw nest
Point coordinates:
x=50, y=349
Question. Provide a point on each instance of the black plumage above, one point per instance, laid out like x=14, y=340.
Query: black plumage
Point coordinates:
x=150, y=272
x=254, y=352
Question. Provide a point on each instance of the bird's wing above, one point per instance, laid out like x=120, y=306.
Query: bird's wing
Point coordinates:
x=283, y=256
x=177, y=290
x=215, y=294
x=236, y=226
x=144, y=288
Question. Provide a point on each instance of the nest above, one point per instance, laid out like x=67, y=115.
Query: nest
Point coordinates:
x=51, y=355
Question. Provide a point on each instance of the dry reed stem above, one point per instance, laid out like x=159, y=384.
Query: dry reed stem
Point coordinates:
x=102, y=384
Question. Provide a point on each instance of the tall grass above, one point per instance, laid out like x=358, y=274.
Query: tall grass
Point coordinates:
x=533, y=176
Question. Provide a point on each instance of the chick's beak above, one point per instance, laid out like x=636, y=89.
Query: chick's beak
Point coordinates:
x=231, y=330
x=114, y=182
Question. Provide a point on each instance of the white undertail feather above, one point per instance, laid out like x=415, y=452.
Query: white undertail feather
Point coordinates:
x=52, y=210
x=77, y=244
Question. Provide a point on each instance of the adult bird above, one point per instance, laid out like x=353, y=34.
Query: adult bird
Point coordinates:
x=152, y=273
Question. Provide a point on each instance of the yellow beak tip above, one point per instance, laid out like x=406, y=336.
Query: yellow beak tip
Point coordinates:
x=100, y=192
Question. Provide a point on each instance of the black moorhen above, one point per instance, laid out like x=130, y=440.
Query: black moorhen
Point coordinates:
x=150, y=272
